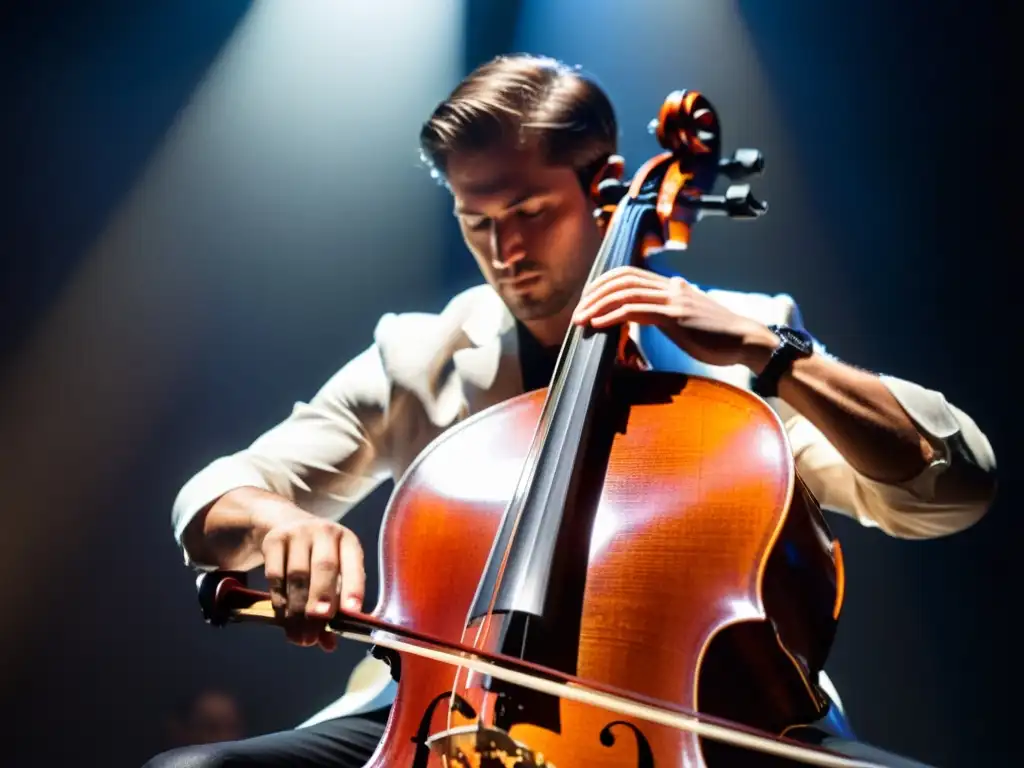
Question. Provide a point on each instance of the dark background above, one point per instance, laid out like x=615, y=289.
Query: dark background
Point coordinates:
x=193, y=241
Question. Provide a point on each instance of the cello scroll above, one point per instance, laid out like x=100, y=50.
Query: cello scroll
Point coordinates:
x=689, y=130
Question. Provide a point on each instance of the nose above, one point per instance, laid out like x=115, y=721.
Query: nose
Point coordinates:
x=507, y=247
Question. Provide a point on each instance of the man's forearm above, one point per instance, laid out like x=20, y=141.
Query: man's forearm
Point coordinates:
x=854, y=409
x=859, y=416
x=229, y=533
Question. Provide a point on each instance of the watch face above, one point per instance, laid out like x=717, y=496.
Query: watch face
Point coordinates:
x=799, y=338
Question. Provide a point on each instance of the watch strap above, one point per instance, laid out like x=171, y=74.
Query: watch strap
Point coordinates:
x=792, y=346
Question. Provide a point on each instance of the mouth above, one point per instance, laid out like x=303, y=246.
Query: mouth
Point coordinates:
x=519, y=281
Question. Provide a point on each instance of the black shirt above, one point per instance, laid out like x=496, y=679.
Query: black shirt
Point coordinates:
x=536, y=361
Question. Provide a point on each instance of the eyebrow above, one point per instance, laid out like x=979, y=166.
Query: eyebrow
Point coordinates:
x=518, y=200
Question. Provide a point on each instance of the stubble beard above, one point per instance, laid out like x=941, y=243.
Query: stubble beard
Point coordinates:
x=526, y=307
x=552, y=311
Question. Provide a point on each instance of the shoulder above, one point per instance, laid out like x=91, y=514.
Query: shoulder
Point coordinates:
x=420, y=341
x=466, y=307
x=767, y=308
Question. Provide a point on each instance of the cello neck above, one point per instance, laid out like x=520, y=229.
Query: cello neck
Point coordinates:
x=533, y=532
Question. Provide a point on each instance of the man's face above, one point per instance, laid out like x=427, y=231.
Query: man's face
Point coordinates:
x=528, y=225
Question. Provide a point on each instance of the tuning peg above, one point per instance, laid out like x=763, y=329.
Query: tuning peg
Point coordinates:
x=742, y=164
x=611, y=191
x=741, y=204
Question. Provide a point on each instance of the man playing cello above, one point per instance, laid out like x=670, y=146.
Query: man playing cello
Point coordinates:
x=519, y=143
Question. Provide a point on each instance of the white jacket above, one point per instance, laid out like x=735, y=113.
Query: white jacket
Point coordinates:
x=426, y=372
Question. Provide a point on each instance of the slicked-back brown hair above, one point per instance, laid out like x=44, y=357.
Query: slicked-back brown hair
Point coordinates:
x=522, y=100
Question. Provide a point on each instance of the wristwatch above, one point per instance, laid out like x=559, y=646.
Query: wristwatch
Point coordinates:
x=795, y=344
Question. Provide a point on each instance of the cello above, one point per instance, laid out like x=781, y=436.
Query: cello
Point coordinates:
x=634, y=575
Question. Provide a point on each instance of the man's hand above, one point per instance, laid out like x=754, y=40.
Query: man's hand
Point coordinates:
x=700, y=325
x=312, y=566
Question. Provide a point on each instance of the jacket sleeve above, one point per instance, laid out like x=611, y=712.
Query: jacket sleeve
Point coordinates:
x=933, y=504
x=325, y=456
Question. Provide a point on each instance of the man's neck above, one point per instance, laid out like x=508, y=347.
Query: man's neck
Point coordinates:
x=550, y=332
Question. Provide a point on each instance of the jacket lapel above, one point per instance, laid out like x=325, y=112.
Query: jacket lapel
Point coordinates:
x=489, y=368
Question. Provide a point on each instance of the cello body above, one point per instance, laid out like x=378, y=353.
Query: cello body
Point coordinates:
x=696, y=569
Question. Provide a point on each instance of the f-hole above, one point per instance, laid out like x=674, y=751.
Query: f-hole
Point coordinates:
x=459, y=704
x=644, y=753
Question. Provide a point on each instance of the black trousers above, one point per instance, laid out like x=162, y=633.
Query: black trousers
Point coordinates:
x=348, y=742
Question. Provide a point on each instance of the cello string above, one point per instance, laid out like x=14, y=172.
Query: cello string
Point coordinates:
x=574, y=369
x=571, y=358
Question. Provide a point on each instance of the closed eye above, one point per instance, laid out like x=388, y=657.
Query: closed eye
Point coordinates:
x=529, y=208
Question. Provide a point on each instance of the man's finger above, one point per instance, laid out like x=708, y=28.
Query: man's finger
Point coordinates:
x=353, y=575
x=273, y=569
x=328, y=640
x=297, y=574
x=641, y=314
x=295, y=631
x=325, y=567
x=619, y=273
x=639, y=296
x=606, y=285
x=312, y=629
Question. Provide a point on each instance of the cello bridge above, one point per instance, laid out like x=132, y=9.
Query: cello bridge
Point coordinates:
x=474, y=746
